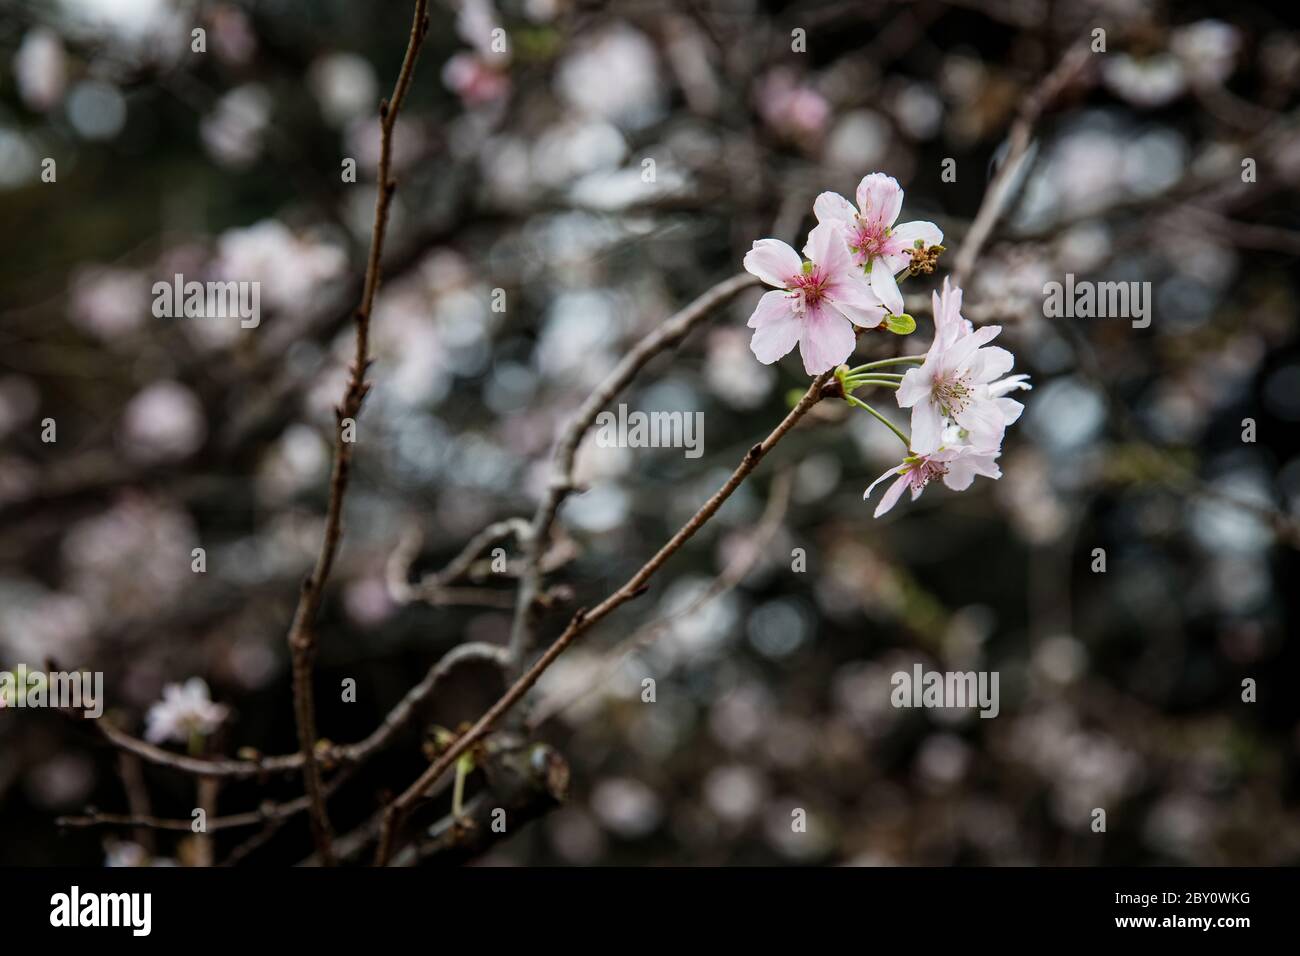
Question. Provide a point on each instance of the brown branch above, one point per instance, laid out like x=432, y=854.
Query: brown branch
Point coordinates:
x=302, y=634
x=131, y=770
x=436, y=588
x=198, y=766
x=277, y=819
x=584, y=620
x=1018, y=140
x=266, y=812
x=400, y=715
x=346, y=755
x=665, y=336
x=732, y=575
x=525, y=782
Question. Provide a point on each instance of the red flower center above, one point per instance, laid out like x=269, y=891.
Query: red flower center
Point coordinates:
x=808, y=288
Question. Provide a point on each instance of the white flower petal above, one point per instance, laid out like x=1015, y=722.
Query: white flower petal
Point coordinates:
x=776, y=328
x=927, y=428
x=773, y=261
x=832, y=207
x=886, y=288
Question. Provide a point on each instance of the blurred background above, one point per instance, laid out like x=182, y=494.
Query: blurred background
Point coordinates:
x=525, y=171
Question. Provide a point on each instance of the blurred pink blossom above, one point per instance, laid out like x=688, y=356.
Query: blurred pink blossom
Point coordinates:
x=40, y=67
x=792, y=109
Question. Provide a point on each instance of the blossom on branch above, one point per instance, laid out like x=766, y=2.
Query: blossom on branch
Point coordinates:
x=954, y=382
x=185, y=711
x=956, y=465
x=819, y=303
x=882, y=249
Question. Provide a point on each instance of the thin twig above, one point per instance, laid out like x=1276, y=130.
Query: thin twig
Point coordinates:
x=434, y=587
x=777, y=503
x=584, y=620
x=400, y=715
x=198, y=766
x=347, y=755
x=302, y=633
x=999, y=189
x=131, y=770
x=252, y=818
x=664, y=337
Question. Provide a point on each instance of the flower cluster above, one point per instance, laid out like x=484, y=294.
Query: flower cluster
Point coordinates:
x=957, y=391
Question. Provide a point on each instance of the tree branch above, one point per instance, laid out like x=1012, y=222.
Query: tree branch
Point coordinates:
x=434, y=588
x=665, y=336
x=1018, y=140
x=302, y=634
x=584, y=620
x=732, y=575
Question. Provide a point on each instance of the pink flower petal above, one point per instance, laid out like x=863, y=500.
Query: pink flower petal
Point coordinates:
x=832, y=207
x=991, y=363
x=776, y=328
x=880, y=199
x=852, y=295
x=962, y=470
x=774, y=262
x=827, y=249
x=885, y=287
x=1010, y=408
x=892, y=494
x=962, y=350
x=867, y=318
x=827, y=340
x=895, y=470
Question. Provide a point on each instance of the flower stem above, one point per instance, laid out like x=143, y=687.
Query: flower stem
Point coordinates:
x=853, y=384
x=463, y=767
x=854, y=400
x=885, y=363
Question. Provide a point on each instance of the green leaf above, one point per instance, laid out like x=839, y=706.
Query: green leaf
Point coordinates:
x=900, y=324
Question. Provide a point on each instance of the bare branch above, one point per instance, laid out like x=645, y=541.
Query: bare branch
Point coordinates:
x=264, y=813
x=664, y=337
x=732, y=575
x=302, y=635
x=434, y=588
x=584, y=620
x=1021, y=135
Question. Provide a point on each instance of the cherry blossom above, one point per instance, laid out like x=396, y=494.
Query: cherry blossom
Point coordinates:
x=956, y=465
x=955, y=379
x=819, y=303
x=185, y=710
x=882, y=249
